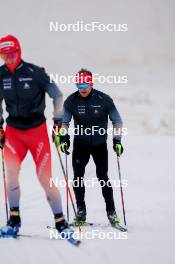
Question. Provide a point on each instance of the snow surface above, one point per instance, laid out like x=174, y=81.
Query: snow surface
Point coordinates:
x=147, y=104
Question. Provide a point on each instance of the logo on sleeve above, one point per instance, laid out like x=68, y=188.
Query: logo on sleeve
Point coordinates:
x=96, y=108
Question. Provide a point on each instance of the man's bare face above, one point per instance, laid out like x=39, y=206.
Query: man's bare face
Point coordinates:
x=10, y=58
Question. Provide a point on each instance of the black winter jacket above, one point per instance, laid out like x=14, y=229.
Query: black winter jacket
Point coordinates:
x=90, y=115
x=24, y=94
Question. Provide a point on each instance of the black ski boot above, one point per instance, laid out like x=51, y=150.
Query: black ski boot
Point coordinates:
x=15, y=219
x=81, y=214
x=80, y=219
x=62, y=226
x=13, y=224
x=113, y=218
x=115, y=221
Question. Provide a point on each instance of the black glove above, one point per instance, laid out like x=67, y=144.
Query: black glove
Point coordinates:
x=65, y=144
x=117, y=146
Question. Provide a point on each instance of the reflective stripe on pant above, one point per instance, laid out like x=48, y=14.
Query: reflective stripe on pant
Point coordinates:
x=17, y=143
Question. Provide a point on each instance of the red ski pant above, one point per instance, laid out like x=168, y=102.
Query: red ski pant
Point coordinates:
x=17, y=144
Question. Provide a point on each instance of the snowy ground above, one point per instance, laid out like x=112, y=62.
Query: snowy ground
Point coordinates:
x=149, y=207
x=147, y=105
x=147, y=165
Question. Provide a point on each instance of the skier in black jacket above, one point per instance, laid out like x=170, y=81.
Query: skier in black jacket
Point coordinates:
x=90, y=110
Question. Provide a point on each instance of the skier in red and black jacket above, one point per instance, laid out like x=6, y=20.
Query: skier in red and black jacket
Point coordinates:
x=23, y=87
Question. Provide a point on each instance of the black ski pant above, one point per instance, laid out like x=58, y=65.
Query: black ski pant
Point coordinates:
x=80, y=158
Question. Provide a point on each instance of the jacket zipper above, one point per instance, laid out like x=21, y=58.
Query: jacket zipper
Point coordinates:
x=88, y=112
x=16, y=91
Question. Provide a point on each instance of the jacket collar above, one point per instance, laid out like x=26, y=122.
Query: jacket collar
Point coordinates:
x=19, y=68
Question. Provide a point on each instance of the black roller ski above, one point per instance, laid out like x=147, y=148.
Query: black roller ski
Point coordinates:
x=116, y=226
x=119, y=227
x=80, y=224
x=88, y=224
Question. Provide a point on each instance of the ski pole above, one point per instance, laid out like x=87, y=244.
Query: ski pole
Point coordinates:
x=67, y=184
x=121, y=189
x=67, y=193
x=5, y=185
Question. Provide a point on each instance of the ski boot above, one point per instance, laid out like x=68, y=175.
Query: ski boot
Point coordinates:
x=65, y=231
x=80, y=219
x=81, y=214
x=63, y=227
x=13, y=224
x=115, y=220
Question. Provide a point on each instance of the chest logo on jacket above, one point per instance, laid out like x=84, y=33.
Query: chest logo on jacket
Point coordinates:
x=7, y=84
x=22, y=79
x=26, y=86
x=81, y=109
